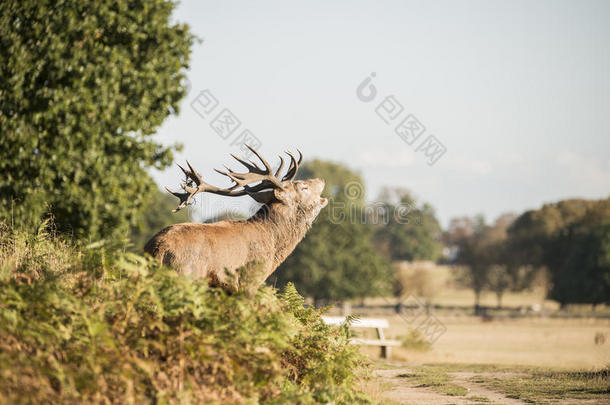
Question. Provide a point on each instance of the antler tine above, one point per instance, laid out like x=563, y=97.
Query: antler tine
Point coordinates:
x=186, y=172
x=294, y=166
x=287, y=176
x=221, y=172
x=192, y=173
x=279, y=169
x=267, y=166
x=240, y=179
x=251, y=166
x=184, y=198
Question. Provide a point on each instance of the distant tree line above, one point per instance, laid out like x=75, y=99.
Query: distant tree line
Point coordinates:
x=568, y=240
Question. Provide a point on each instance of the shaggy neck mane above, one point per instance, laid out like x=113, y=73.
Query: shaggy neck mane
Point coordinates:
x=281, y=230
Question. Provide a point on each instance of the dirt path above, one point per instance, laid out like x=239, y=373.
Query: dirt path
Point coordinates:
x=405, y=390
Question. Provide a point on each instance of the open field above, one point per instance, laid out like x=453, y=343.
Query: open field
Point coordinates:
x=548, y=342
x=507, y=361
x=529, y=351
x=528, y=331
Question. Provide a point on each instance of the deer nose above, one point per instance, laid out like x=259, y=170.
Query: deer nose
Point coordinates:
x=320, y=183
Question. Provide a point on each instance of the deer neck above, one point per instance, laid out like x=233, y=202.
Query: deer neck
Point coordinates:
x=282, y=230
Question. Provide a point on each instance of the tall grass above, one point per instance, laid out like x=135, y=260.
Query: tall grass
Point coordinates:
x=96, y=325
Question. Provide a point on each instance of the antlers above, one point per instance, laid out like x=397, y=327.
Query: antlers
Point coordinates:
x=268, y=180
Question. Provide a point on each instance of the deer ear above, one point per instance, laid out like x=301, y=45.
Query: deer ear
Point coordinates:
x=281, y=195
x=263, y=197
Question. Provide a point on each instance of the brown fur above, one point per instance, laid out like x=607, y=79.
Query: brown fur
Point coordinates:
x=216, y=251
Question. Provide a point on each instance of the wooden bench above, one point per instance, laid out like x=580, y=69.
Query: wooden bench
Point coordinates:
x=378, y=324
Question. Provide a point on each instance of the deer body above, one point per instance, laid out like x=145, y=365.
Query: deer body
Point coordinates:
x=241, y=254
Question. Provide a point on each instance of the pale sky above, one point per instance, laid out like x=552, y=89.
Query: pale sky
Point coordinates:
x=518, y=92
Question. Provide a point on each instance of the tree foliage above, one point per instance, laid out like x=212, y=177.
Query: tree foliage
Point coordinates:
x=482, y=249
x=419, y=279
x=83, y=86
x=407, y=231
x=571, y=239
x=469, y=237
x=337, y=259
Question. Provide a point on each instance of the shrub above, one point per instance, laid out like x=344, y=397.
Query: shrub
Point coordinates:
x=415, y=341
x=96, y=325
x=421, y=279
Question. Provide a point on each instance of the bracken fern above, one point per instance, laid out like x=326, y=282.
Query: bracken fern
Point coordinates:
x=97, y=325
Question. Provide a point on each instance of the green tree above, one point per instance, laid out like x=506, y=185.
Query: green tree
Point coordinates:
x=488, y=259
x=583, y=273
x=482, y=250
x=337, y=260
x=571, y=239
x=83, y=87
x=469, y=238
x=408, y=231
x=502, y=273
x=579, y=258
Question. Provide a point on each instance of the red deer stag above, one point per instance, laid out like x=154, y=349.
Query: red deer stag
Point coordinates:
x=223, y=251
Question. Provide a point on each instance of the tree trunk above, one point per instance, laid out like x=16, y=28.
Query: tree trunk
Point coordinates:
x=499, y=295
x=346, y=308
x=477, y=299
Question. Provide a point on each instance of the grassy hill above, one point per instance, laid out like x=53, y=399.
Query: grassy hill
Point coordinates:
x=93, y=324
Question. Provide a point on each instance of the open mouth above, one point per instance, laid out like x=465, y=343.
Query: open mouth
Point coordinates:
x=323, y=201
